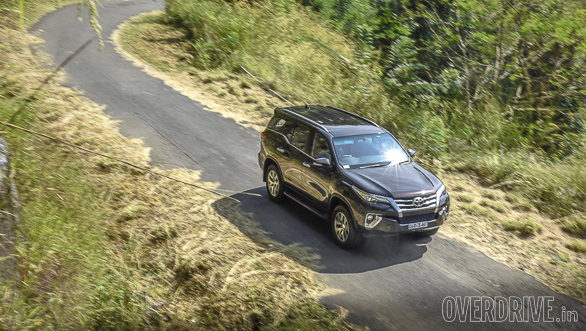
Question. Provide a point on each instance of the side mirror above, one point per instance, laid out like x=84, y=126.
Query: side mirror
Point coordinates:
x=411, y=152
x=322, y=161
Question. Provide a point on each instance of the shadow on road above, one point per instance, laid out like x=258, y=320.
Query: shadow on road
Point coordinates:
x=289, y=223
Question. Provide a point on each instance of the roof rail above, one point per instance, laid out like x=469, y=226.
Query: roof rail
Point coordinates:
x=306, y=119
x=360, y=117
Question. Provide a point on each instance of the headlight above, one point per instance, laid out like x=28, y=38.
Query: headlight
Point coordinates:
x=370, y=198
x=441, y=192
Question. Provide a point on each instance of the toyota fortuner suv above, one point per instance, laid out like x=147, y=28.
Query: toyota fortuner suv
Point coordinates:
x=350, y=171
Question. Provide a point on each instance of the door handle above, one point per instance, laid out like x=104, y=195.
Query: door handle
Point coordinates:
x=280, y=149
x=307, y=164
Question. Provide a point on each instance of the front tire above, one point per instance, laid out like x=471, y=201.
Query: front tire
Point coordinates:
x=345, y=232
x=274, y=184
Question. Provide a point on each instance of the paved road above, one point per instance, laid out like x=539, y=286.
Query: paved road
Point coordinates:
x=389, y=284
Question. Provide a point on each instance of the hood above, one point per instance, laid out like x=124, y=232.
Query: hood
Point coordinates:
x=398, y=181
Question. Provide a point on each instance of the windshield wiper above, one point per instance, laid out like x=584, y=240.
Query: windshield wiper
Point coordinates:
x=382, y=164
x=375, y=165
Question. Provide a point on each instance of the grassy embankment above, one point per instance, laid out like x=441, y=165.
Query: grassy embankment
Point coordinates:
x=532, y=220
x=107, y=246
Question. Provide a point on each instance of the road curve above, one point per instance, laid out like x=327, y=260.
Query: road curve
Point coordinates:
x=391, y=283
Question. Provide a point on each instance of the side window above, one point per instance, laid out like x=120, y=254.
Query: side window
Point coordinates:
x=281, y=125
x=320, y=147
x=273, y=124
x=298, y=137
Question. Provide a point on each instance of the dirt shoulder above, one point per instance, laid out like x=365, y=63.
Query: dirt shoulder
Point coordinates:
x=500, y=224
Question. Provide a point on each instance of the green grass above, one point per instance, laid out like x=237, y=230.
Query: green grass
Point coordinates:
x=476, y=210
x=578, y=246
x=495, y=205
x=575, y=225
x=491, y=194
x=524, y=228
x=465, y=197
x=460, y=187
x=565, y=257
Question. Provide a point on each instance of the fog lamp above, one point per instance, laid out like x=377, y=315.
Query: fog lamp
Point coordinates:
x=372, y=220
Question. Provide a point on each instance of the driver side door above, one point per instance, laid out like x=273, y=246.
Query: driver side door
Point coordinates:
x=317, y=178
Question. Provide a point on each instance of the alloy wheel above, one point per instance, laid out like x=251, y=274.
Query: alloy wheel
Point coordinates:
x=342, y=227
x=274, y=185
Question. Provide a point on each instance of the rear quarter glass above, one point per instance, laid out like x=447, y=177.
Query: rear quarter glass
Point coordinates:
x=281, y=125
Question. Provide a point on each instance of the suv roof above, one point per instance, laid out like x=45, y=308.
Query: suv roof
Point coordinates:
x=333, y=120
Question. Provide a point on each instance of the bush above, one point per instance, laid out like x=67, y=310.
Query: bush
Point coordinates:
x=575, y=225
x=493, y=204
x=559, y=188
x=493, y=167
x=476, y=210
x=578, y=246
x=524, y=228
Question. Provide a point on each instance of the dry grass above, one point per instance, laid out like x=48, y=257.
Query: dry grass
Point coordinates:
x=177, y=256
x=160, y=51
x=545, y=254
x=482, y=227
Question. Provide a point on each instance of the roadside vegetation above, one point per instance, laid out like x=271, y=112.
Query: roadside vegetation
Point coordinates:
x=106, y=246
x=506, y=134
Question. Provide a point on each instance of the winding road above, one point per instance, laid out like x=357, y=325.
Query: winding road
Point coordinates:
x=392, y=283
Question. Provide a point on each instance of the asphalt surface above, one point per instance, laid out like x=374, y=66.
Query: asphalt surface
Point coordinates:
x=392, y=283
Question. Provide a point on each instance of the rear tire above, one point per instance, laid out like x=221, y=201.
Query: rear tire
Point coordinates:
x=274, y=184
x=346, y=234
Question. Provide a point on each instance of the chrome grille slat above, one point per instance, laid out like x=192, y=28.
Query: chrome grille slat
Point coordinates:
x=407, y=204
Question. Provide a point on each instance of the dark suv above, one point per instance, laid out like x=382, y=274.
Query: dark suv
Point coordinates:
x=350, y=171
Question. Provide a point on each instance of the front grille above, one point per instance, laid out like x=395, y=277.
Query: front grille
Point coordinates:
x=407, y=204
x=417, y=218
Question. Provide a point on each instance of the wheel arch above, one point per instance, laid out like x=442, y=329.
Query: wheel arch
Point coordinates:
x=338, y=200
x=268, y=162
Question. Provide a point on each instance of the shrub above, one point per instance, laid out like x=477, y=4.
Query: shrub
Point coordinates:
x=460, y=187
x=491, y=194
x=575, y=225
x=578, y=246
x=524, y=228
x=465, y=197
x=493, y=204
x=476, y=210
x=557, y=188
x=492, y=167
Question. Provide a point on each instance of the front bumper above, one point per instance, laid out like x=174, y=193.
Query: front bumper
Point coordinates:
x=391, y=223
x=393, y=226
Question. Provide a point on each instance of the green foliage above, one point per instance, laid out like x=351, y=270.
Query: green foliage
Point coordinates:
x=578, y=246
x=575, y=225
x=557, y=187
x=524, y=228
x=476, y=210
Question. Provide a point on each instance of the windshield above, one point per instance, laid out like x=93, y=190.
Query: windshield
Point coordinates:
x=369, y=149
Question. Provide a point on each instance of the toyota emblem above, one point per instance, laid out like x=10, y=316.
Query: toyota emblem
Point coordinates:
x=418, y=201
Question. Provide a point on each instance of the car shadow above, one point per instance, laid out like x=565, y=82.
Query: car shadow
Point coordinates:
x=290, y=223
